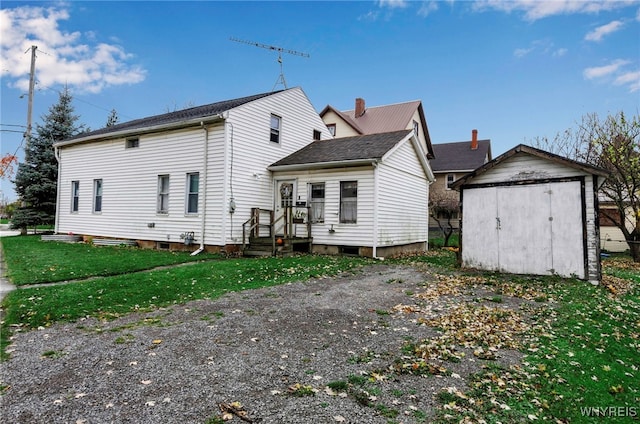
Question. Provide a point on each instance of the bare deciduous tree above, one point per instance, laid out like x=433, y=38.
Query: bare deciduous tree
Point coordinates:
x=612, y=144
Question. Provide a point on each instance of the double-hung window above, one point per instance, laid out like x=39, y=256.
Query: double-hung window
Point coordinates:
x=348, y=202
x=316, y=201
x=276, y=124
x=193, y=188
x=97, y=195
x=75, y=196
x=163, y=194
x=450, y=179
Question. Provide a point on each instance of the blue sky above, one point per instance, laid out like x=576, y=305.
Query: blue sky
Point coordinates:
x=514, y=70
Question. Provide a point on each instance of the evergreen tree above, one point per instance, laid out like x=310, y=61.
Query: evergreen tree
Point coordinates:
x=112, y=119
x=37, y=177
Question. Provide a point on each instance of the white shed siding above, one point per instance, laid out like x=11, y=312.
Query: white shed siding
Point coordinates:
x=248, y=131
x=526, y=167
x=358, y=234
x=403, y=196
x=130, y=178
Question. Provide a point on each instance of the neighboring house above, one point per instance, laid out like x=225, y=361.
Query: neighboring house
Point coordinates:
x=201, y=176
x=611, y=237
x=187, y=176
x=453, y=161
x=379, y=119
x=367, y=194
x=532, y=212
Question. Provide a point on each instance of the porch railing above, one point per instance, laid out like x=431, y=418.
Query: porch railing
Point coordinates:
x=252, y=226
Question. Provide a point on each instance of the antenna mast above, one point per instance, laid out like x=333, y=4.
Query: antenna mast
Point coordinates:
x=280, y=50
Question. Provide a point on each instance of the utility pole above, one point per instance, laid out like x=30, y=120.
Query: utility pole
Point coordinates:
x=280, y=50
x=32, y=78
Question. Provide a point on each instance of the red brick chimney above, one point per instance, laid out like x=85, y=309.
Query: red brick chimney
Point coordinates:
x=359, y=107
x=474, y=139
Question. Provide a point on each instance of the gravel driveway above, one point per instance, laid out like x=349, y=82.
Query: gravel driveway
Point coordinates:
x=275, y=351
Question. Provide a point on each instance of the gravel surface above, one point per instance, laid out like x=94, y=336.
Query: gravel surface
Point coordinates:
x=262, y=348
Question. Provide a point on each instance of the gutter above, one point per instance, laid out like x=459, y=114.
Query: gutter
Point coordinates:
x=375, y=210
x=56, y=152
x=319, y=165
x=142, y=130
x=204, y=189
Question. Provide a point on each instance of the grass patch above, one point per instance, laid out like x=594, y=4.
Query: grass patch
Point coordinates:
x=112, y=296
x=32, y=261
x=581, y=362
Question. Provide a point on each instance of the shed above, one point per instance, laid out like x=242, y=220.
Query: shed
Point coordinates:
x=532, y=212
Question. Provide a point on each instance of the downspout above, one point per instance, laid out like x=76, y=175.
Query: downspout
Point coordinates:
x=204, y=189
x=56, y=152
x=375, y=210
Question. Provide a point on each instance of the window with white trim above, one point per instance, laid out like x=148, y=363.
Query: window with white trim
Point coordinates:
x=276, y=124
x=163, y=194
x=348, y=202
x=193, y=189
x=332, y=129
x=316, y=202
x=97, y=195
x=75, y=196
x=132, y=143
x=450, y=179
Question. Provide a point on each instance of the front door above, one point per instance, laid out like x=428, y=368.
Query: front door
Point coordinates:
x=285, y=194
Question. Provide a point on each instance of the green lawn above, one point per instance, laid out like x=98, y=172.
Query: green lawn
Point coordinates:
x=581, y=342
x=32, y=261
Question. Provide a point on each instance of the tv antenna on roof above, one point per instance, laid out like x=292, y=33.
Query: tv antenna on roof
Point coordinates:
x=280, y=50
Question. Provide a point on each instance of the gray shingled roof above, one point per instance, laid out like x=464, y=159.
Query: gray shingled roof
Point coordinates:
x=361, y=147
x=175, y=117
x=459, y=156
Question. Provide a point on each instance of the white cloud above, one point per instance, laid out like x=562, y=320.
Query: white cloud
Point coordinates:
x=599, y=33
x=603, y=71
x=615, y=73
x=69, y=58
x=632, y=79
x=427, y=7
x=545, y=47
x=393, y=4
x=537, y=9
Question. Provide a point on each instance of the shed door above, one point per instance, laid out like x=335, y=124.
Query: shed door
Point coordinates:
x=528, y=229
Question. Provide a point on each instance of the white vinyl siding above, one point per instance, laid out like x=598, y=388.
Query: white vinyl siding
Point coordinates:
x=403, y=198
x=238, y=157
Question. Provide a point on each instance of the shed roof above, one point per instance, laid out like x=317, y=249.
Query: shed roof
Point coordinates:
x=459, y=156
x=166, y=119
x=359, y=148
x=521, y=148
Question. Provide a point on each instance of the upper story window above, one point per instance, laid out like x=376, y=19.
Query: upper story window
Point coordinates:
x=132, y=143
x=163, y=194
x=316, y=135
x=348, y=202
x=97, y=196
x=316, y=201
x=332, y=129
x=416, y=128
x=450, y=179
x=193, y=188
x=276, y=125
x=75, y=196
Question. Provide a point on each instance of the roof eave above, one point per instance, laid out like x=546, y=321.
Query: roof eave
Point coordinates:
x=144, y=130
x=324, y=165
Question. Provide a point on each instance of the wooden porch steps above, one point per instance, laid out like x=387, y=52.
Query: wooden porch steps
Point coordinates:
x=263, y=246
